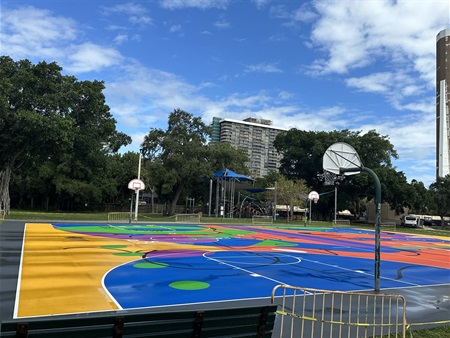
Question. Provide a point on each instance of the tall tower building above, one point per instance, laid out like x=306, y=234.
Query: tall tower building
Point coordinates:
x=442, y=103
x=256, y=137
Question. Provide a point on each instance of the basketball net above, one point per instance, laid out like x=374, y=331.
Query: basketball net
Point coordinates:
x=329, y=177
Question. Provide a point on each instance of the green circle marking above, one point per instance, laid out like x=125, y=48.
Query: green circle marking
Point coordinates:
x=113, y=246
x=189, y=285
x=150, y=265
x=128, y=254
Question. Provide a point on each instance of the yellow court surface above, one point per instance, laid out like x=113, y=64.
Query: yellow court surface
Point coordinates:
x=62, y=272
x=72, y=269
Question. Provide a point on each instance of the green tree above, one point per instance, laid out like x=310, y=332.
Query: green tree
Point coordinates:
x=303, y=159
x=122, y=169
x=35, y=120
x=177, y=157
x=218, y=156
x=395, y=189
x=419, y=198
x=440, y=195
x=289, y=193
x=58, y=126
x=180, y=161
x=224, y=155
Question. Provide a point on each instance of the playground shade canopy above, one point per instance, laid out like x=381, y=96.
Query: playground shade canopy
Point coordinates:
x=229, y=174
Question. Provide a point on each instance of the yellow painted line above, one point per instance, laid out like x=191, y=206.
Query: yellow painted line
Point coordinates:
x=62, y=271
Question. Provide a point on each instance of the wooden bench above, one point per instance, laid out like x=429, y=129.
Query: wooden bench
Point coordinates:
x=256, y=321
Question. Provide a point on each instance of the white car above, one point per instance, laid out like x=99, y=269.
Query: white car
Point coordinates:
x=409, y=221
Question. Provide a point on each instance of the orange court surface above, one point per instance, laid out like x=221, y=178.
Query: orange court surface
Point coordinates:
x=66, y=268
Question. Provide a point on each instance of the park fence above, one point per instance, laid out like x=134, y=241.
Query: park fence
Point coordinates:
x=314, y=313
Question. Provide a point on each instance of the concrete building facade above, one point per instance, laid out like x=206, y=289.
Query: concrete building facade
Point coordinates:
x=442, y=103
x=256, y=137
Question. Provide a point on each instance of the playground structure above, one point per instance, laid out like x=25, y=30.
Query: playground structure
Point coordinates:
x=233, y=198
x=226, y=183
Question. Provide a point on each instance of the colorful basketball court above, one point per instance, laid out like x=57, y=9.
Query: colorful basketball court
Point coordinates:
x=82, y=268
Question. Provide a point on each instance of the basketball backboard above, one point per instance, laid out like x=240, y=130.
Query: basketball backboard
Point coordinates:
x=313, y=196
x=136, y=185
x=341, y=155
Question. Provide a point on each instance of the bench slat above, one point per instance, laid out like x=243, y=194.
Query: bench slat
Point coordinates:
x=236, y=322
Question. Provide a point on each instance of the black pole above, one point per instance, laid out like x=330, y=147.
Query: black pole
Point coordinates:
x=377, y=219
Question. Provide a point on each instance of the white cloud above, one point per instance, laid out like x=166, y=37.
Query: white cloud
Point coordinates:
x=175, y=28
x=262, y=68
x=397, y=87
x=37, y=34
x=304, y=13
x=121, y=38
x=376, y=82
x=357, y=33
x=200, y=4
x=261, y=3
x=137, y=14
x=32, y=33
x=89, y=57
x=222, y=24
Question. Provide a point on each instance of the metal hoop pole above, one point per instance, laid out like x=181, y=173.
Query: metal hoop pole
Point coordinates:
x=377, y=219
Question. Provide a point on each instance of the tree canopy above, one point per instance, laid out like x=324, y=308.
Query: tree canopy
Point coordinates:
x=440, y=195
x=303, y=156
x=56, y=125
x=180, y=158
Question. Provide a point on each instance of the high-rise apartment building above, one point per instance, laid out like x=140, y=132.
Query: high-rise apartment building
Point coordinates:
x=256, y=136
x=442, y=103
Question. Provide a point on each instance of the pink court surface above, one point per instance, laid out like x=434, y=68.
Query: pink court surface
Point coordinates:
x=71, y=268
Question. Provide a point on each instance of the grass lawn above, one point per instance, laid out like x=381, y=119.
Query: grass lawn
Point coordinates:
x=438, y=332
x=103, y=217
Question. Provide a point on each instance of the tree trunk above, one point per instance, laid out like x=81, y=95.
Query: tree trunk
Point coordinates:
x=174, y=201
x=5, y=178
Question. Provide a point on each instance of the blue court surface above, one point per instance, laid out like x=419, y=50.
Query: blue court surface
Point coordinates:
x=130, y=266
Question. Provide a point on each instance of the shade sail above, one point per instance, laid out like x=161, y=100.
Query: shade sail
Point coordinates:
x=229, y=174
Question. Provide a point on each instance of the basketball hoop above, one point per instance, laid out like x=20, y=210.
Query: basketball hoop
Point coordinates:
x=136, y=185
x=313, y=196
x=340, y=156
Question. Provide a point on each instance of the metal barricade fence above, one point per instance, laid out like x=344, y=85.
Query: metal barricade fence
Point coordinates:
x=315, y=313
x=189, y=218
x=118, y=216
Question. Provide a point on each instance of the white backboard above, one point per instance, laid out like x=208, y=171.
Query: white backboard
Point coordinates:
x=313, y=196
x=341, y=155
x=136, y=184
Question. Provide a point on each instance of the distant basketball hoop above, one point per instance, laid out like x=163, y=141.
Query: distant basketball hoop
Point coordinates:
x=313, y=196
x=136, y=185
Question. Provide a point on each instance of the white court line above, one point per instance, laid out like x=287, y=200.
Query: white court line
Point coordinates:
x=116, y=227
x=357, y=271
x=140, y=226
x=245, y=270
x=19, y=277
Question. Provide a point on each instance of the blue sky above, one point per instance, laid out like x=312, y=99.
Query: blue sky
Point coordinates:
x=313, y=65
